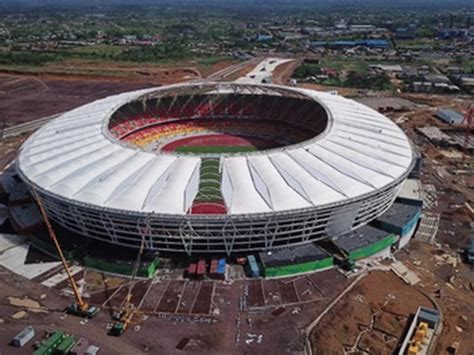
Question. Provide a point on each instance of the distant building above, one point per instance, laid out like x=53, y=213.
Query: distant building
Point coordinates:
x=377, y=43
x=422, y=86
x=453, y=33
x=404, y=33
x=330, y=72
x=264, y=37
x=467, y=82
x=454, y=70
x=437, y=78
x=390, y=68
x=362, y=28
x=370, y=43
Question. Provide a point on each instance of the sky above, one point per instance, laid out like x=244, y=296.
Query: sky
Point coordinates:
x=272, y=4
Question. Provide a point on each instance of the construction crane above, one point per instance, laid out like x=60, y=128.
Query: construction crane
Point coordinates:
x=80, y=307
x=125, y=316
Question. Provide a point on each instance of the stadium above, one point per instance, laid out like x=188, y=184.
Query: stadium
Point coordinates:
x=228, y=168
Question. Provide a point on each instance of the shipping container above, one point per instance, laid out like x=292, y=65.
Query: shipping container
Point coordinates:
x=201, y=269
x=191, y=271
x=221, y=266
x=66, y=345
x=254, y=270
x=23, y=337
x=49, y=344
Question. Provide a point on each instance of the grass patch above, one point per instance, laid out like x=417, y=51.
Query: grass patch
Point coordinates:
x=210, y=181
x=215, y=149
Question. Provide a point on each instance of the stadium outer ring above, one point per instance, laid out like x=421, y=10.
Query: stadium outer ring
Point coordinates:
x=227, y=234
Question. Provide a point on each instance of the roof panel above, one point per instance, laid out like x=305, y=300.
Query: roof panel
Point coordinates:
x=58, y=172
x=131, y=194
x=78, y=178
x=301, y=180
x=97, y=191
x=172, y=198
x=281, y=195
x=245, y=197
x=329, y=176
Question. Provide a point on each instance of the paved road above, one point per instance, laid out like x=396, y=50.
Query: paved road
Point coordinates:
x=223, y=73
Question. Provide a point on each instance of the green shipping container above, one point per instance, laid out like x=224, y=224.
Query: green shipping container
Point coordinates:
x=51, y=343
x=299, y=268
x=147, y=270
x=372, y=249
x=67, y=344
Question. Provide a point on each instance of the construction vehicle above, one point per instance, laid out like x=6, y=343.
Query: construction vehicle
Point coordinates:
x=80, y=307
x=128, y=312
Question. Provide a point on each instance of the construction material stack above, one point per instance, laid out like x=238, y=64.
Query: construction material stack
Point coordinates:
x=217, y=269
x=253, y=269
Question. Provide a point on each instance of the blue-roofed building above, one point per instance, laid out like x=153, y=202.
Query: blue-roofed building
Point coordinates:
x=371, y=43
x=453, y=33
x=404, y=33
x=449, y=116
x=340, y=44
x=264, y=37
x=318, y=44
x=377, y=43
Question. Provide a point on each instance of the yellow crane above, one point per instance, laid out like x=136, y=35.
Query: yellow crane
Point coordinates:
x=80, y=307
x=125, y=316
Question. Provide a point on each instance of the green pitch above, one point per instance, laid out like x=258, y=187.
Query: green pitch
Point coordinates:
x=215, y=149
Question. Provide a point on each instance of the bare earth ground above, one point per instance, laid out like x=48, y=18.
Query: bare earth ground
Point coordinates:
x=283, y=72
x=24, y=99
x=379, y=308
x=451, y=284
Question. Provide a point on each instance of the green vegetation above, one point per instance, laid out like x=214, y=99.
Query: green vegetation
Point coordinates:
x=351, y=73
x=209, y=61
x=153, y=54
x=373, y=82
x=28, y=58
x=306, y=70
x=210, y=181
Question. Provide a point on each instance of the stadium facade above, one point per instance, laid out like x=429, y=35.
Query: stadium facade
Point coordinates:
x=150, y=165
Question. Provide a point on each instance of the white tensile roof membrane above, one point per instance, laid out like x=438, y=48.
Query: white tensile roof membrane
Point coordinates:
x=360, y=152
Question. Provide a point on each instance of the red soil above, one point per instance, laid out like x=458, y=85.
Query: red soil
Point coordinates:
x=208, y=208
